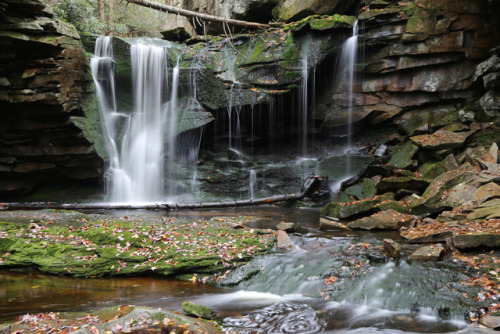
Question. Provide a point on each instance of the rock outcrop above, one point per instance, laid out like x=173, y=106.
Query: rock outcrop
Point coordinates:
x=419, y=67
x=45, y=97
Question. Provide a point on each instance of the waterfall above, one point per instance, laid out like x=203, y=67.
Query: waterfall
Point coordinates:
x=253, y=181
x=303, y=104
x=135, y=139
x=348, y=62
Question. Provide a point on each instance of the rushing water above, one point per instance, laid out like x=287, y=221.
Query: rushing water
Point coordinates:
x=289, y=294
x=346, y=69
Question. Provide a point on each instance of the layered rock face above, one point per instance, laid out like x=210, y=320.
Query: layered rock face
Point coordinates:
x=45, y=84
x=418, y=64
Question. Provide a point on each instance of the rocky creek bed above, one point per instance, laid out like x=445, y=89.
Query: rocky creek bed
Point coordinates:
x=324, y=276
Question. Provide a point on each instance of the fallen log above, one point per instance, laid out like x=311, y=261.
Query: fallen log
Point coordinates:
x=311, y=185
x=189, y=13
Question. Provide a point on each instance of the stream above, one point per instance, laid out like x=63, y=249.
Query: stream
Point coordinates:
x=331, y=282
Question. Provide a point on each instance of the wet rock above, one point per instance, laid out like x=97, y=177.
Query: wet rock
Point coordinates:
x=490, y=321
x=364, y=189
x=428, y=253
x=385, y=220
x=402, y=156
x=284, y=242
x=178, y=34
x=430, y=238
x=435, y=198
x=242, y=273
x=332, y=224
x=475, y=240
x=392, y=248
x=442, y=139
x=285, y=226
x=408, y=182
x=196, y=310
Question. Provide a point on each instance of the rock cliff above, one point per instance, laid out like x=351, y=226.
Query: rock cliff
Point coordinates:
x=45, y=95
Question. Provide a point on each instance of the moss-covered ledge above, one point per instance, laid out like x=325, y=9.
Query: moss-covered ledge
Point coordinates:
x=120, y=247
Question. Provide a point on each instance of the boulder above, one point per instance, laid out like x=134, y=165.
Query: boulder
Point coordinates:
x=362, y=207
x=284, y=242
x=285, y=226
x=492, y=155
x=490, y=321
x=293, y=10
x=441, y=139
x=429, y=238
x=475, y=240
x=332, y=224
x=486, y=192
x=402, y=155
x=428, y=253
x=489, y=212
x=198, y=311
x=178, y=34
x=435, y=197
x=394, y=184
x=385, y=220
x=392, y=248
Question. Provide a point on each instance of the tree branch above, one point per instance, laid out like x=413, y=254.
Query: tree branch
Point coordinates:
x=188, y=13
x=311, y=185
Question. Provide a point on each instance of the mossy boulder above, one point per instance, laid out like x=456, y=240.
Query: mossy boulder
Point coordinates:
x=293, y=10
x=393, y=184
x=364, y=189
x=196, y=310
x=129, y=248
x=402, y=155
x=436, y=196
x=354, y=209
x=432, y=169
x=178, y=34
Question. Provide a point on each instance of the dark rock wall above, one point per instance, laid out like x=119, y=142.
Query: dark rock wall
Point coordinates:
x=45, y=89
x=418, y=63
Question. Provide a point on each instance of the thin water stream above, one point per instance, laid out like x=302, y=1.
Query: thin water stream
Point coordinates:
x=331, y=282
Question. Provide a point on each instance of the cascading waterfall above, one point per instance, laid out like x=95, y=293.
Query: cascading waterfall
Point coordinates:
x=303, y=103
x=135, y=140
x=348, y=62
x=253, y=181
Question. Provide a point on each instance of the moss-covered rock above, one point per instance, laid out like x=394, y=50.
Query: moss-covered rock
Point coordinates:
x=355, y=209
x=129, y=248
x=402, y=155
x=292, y=10
x=196, y=310
x=432, y=169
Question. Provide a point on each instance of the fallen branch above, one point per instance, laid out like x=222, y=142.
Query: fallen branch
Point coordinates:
x=311, y=185
x=189, y=13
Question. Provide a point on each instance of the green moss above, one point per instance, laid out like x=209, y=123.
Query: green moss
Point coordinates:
x=331, y=210
x=432, y=169
x=127, y=248
x=196, y=310
x=393, y=205
x=258, y=49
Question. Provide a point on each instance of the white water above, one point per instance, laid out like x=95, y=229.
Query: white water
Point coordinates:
x=136, y=139
x=347, y=65
x=253, y=181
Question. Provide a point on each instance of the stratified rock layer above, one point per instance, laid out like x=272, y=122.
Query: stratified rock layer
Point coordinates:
x=45, y=84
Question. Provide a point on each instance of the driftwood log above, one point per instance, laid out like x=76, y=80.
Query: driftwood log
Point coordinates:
x=191, y=14
x=311, y=186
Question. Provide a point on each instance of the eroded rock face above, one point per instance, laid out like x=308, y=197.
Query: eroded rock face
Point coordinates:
x=419, y=61
x=45, y=92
